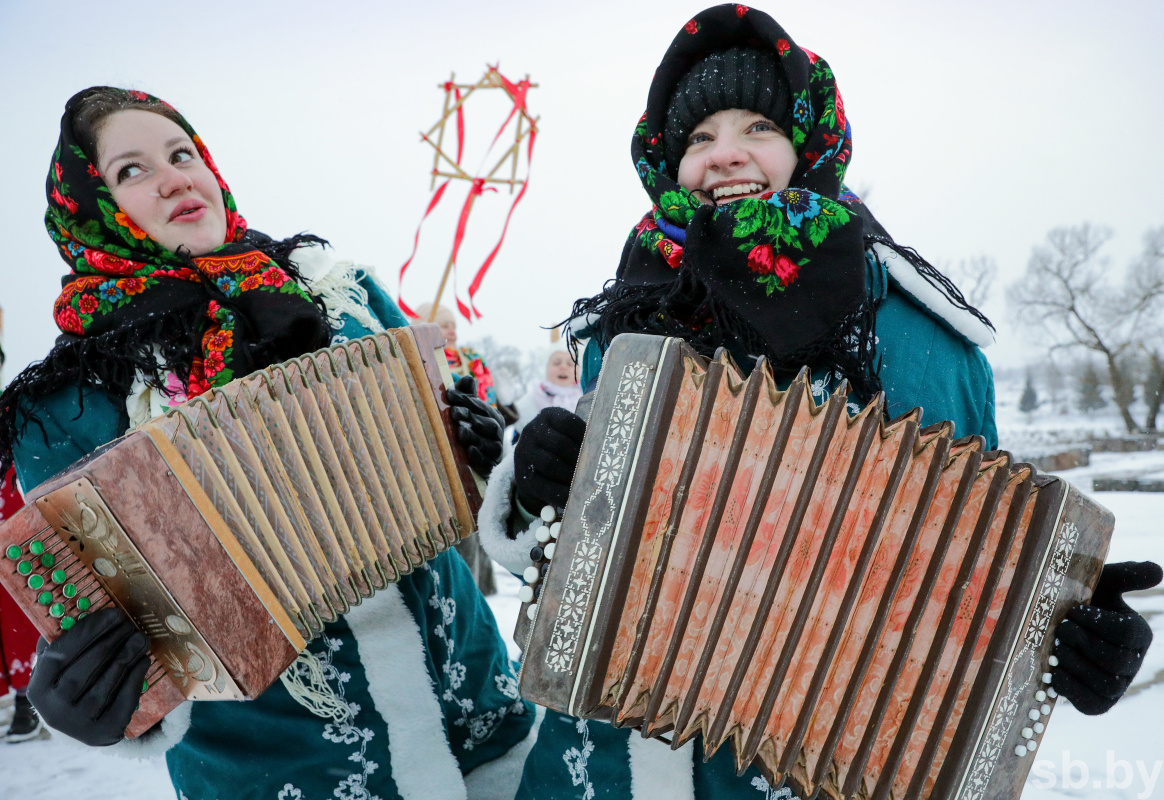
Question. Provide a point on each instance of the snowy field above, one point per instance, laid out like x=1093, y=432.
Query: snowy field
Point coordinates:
x=1117, y=756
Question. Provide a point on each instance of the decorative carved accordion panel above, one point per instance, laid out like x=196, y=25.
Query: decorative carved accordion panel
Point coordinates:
x=232, y=528
x=860, y=608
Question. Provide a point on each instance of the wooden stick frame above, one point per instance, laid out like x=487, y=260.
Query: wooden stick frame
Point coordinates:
x=526, y=126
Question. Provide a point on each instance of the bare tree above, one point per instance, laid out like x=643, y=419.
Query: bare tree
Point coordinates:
x=975, y=277
x=1068, y=293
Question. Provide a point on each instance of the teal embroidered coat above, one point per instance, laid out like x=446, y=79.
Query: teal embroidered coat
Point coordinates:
x=273, y=747
x=925, y=363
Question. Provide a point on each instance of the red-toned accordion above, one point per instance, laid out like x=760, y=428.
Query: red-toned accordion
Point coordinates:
x=232, y=528
x=862, y=609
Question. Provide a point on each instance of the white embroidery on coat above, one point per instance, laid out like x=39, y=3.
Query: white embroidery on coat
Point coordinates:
x=481, y=726
x=783, y=793
x=576, y=760
x=355, y=786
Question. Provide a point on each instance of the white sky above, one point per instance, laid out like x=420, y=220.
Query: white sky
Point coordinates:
x=977, y=127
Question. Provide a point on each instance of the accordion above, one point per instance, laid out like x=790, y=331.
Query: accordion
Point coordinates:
x=859, y=608
x=233, y=527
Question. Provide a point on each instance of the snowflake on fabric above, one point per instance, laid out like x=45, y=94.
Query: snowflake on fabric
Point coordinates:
x=289, y=793
x=576, y=761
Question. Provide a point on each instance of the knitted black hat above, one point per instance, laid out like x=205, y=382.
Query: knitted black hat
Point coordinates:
x=739, y=77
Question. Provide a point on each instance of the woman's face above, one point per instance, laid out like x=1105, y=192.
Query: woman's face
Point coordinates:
x=736, y=153
x=158, y=179
x=560, y=370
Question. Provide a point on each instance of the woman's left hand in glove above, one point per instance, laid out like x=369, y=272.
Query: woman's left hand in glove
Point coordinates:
x=1100, y=647
x=479, y=426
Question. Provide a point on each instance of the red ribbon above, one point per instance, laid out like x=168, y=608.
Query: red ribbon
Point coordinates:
x=432, y=203
x=480, y=276
x=517, y=92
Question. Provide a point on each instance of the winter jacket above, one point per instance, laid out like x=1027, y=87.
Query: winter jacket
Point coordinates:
x=421, y=665
x=931, y=357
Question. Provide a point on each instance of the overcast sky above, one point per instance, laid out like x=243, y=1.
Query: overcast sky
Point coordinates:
x=977, y=128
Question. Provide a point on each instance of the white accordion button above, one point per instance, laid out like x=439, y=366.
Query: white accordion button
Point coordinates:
x=1040, y=696
x=1053, y=661
x=1027, y=733
x=555, y=529
x=1039, y=728
x=1051, y=693
x=1046, y=677
x=542, y=534
x=549, y=549
x=1031, y=745
x=1020, y=751
x=548, y=514
x=1033, y=714
x=525, y=594
x=531, y=611
x=1046, y=709
x=531, y=575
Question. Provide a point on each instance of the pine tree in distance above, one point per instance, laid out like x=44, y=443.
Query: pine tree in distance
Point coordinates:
x=1090, y=398
x=1029, y=401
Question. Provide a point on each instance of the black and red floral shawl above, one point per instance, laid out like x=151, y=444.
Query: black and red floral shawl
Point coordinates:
x=781, y=276
x=129, y=307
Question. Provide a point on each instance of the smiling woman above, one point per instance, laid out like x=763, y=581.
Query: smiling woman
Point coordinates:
x=169, y=294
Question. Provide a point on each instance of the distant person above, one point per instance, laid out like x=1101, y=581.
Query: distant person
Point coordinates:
x=559, y=389
x=467, y=361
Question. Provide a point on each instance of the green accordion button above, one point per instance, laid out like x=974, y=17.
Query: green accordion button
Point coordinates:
x=83, y=603
x=44, y=598
x=59, y=576
x=13, y=551
x=69, y=591
x=81, y=616
x=36, y=548
x=35, y=581
x=48, y=559
x=67, y=622
x=57, y=610
x=144, y=686
x=24, y=567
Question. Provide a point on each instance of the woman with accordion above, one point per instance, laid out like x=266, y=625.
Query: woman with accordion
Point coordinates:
x=400, y=697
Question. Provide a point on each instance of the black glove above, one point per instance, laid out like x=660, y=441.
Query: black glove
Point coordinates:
x=479, y=426
x=88, y=682
x=1101, y=647
x=545, y=458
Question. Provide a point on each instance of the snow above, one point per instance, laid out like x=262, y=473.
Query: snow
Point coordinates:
x=1121, y=751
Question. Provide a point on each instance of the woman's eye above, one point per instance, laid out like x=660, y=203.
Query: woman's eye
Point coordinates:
x=763, y=126
x=181, y=156
x=698, y=138
x=128, y=171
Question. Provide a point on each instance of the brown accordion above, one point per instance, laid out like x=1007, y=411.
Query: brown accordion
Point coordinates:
x=233, y=527
x=860, y=608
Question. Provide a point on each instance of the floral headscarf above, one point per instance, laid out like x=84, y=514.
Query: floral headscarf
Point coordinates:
x=781, y=276
x=131, y=308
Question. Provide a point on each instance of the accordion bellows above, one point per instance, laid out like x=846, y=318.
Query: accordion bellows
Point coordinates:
x=233, y=527
x=862, y=609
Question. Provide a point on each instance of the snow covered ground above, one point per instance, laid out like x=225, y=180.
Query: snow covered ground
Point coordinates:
x=1117, y=756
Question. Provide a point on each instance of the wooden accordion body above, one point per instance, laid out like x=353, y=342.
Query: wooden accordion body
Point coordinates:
x=233, y=527
x=860, y=608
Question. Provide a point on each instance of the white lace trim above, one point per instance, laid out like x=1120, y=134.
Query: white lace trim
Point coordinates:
x=337, y=284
